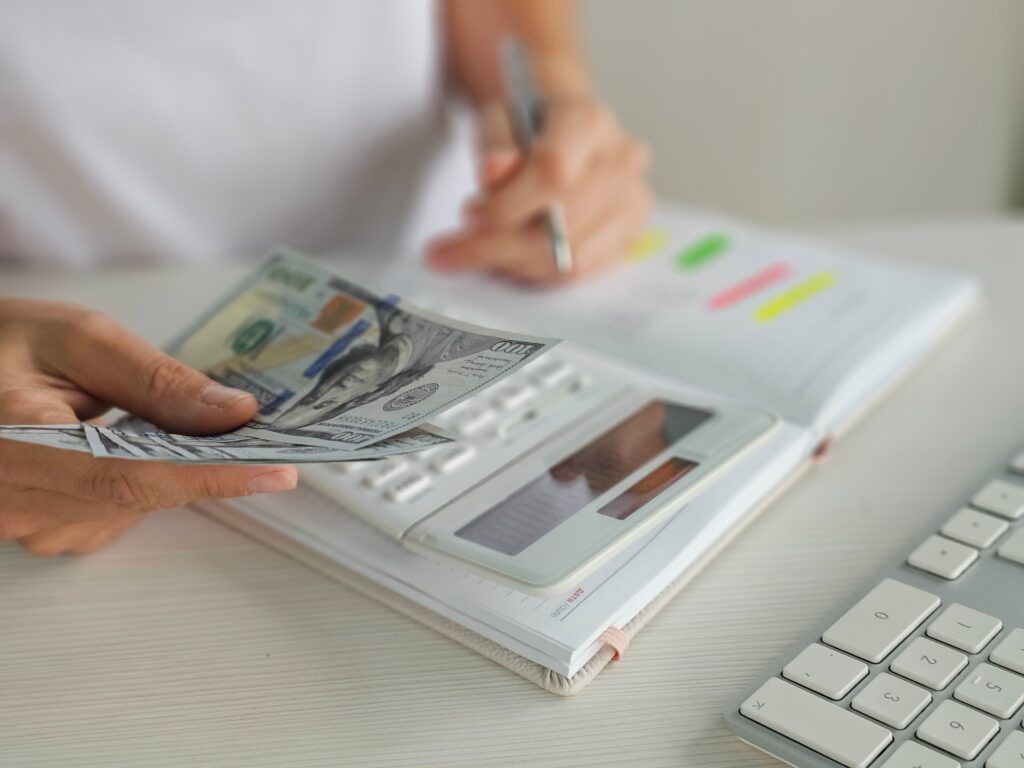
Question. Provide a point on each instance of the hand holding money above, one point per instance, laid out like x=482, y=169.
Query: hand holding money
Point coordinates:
x=60, y=364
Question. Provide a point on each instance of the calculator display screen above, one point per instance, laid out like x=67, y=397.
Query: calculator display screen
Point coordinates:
x=578, y=480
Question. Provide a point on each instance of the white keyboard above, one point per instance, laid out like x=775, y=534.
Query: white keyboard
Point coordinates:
x=924, y=671
x=494, y=428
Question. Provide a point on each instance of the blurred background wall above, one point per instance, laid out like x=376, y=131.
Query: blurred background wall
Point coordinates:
x=804, y=111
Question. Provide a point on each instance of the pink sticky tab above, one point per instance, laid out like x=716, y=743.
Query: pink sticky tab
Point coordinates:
x=617, y=640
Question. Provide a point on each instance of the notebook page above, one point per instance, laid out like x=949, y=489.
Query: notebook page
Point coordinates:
x=770, y=320
x=560, y=631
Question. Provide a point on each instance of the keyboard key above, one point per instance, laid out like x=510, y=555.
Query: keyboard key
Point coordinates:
x=914, y=755
x=975, y=528
x=552, y=372
x=837, y=733
x=350, y=467
x=958, y=730
x=1010, y=753
x=1010, y=652
x=452, y=457
x=1013, y=547
x=384, y=472
x=891, y=700
x=1001, y=498
x=404, y=488
x=926, y=662
x=514, y=396
x=965, y=628
x=992, y=690
x=943, y=557
x=1017, y=463
x=828, y=672
x=472, y=420
x=881, y=620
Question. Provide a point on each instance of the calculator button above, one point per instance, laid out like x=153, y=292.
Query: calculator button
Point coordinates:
x=514, y=396
x=1013, y=547
x=891, y=700
x=1001, y=498
x=929, y=663
x=827, y=728
x=825, y=671
x=992, y=690
x=384, y=472
x=472, y=420
x=958, y=730
x=943, y=557
x=914, y=755
x=965, y=628
x=1010, y=652
x=881, y=620
x=350, y=467
x=1017, y=464
x=404, y=488
x=975, y=528
x=1010, y=753
x=552, y=372
x=452, y=457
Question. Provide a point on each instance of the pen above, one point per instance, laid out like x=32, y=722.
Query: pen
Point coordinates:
x=526, y=110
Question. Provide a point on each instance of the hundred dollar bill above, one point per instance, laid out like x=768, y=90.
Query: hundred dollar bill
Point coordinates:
x=67, y=436
x=334, y=365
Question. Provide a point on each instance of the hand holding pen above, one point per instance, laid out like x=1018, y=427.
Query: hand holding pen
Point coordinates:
x=582, y=162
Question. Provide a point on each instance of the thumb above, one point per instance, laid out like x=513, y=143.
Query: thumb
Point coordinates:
x=496, y=145
x=113, y=364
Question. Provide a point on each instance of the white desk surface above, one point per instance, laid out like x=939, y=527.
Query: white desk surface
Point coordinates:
x=188, y=644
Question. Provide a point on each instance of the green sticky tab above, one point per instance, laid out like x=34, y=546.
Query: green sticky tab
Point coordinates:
x=703, y=251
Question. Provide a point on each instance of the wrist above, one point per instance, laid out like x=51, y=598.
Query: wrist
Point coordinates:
x=561, y=74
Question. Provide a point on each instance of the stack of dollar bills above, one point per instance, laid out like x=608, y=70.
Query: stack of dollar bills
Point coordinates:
x=340, y=374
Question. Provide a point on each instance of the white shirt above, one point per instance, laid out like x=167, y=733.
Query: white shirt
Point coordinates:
x=190, y=130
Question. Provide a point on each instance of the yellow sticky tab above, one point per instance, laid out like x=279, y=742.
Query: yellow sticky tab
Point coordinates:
x=791, y=297
x=649, y=243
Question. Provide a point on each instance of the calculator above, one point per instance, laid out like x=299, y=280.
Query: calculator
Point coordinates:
x=925, y=670
x=553, y=471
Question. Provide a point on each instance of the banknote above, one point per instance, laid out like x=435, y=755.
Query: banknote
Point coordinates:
x=334, y=365
x=67, y=436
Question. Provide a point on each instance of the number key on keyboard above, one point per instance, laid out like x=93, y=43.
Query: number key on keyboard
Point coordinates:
x=914, y=755
x=1010, y=753
x=881, y=620
x=943, y=557
x=965, y=628
x=1001, y=498
x=929, y=663
x=1013, y=547
x=1010, y=652
x=958, y=730
x=827, y=728
x=891, y=700
x=975, y=528
x=992, y=690
x=825, y=671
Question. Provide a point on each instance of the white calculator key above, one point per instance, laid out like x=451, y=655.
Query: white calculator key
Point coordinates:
x=914, y=755
x=958, y=730
x=1013, y=547
x=404, y=488
x=552, y=372
x=384, y=472
x=965, y=628
x=472, y=420
x=350, y=467
x=1010, y=652
x=881, y=620
x=943, y=557
x=1001, y=498
x=827, y=728
x=1009, y=754
x=926, y=662
x=826, y=671
x=970, y=526
x=452, y=457
x=514, y=396
x=992, y=690
x=1017, y=463
x=891, y=700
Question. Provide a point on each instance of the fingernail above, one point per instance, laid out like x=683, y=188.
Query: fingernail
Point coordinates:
x=272, y=482
x=221, y=396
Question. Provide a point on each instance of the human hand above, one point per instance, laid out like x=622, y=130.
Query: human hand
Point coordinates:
x=583, y=160
x=60, y=364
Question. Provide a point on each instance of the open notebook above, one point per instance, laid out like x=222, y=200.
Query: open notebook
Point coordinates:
x=714, y=307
